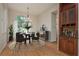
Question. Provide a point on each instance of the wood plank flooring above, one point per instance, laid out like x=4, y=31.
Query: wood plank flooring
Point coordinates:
x=49, y=49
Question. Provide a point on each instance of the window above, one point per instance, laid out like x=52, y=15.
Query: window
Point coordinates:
x=23, y=24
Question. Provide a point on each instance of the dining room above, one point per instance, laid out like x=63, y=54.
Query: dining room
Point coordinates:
x=30, y=29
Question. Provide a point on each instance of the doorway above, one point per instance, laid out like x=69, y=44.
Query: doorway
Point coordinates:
x=54, y=27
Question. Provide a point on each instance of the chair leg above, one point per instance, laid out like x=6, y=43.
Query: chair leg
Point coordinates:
x=15, y=44
x=38, y=40
x=25, y=42
x=19, y=45
x=30, y=41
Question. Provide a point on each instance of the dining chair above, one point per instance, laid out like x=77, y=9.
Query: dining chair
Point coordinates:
x=19, y=39
x=35, y=37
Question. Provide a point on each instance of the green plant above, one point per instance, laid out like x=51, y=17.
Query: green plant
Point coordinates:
x=11, y=30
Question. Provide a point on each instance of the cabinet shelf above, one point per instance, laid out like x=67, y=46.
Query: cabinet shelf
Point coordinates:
x=73, y=24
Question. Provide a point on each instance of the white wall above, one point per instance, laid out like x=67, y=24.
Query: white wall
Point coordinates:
x=45, y=18
x=3, y=25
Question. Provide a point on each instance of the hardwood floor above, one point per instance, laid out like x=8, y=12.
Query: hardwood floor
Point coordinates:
x=49, y=49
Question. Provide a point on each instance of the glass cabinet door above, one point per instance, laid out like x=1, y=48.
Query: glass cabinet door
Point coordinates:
x=64, y=17
x=71, y=15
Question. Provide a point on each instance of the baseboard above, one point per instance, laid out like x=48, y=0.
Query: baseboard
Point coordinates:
x=3, y=48
x=52, y=41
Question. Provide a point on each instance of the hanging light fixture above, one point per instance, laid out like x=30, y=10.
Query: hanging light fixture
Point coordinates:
x=28, y=20
x=28, y=16
x=27, y=12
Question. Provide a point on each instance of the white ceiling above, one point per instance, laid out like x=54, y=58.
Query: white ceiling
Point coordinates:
x=34, y=8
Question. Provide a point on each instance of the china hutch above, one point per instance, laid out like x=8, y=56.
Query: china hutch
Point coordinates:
x=68, y=28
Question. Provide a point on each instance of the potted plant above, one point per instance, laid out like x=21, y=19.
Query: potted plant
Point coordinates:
x=10, y=32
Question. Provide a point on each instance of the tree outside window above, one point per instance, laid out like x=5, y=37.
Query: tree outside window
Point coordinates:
x=23, y=24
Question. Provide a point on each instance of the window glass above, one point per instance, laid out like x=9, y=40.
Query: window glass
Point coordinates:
x=23, y=24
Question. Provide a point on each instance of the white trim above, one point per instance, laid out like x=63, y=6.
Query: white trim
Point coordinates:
x=3, y=47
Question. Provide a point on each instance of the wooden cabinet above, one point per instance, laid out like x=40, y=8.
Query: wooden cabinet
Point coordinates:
x=68, y=45
x=68, y=28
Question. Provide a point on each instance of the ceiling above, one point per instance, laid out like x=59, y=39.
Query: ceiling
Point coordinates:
x=34, y=8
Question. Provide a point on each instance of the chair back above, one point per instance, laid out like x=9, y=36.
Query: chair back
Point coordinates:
x=33, y=35
x=19, y=37
x=38, y=35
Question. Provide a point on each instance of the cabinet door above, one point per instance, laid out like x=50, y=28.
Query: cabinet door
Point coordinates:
x=75, y=47
x=64, y=17
x=70, y=47
x=71, y=14
x=63, y=44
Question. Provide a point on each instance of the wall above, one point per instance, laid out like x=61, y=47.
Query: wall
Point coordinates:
x=3, y=25
x=46, y=18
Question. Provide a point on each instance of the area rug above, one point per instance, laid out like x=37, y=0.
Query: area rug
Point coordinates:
x=33, y=46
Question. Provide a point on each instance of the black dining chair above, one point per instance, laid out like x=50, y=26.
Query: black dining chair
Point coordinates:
x=35, y=37
x=19, y=39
